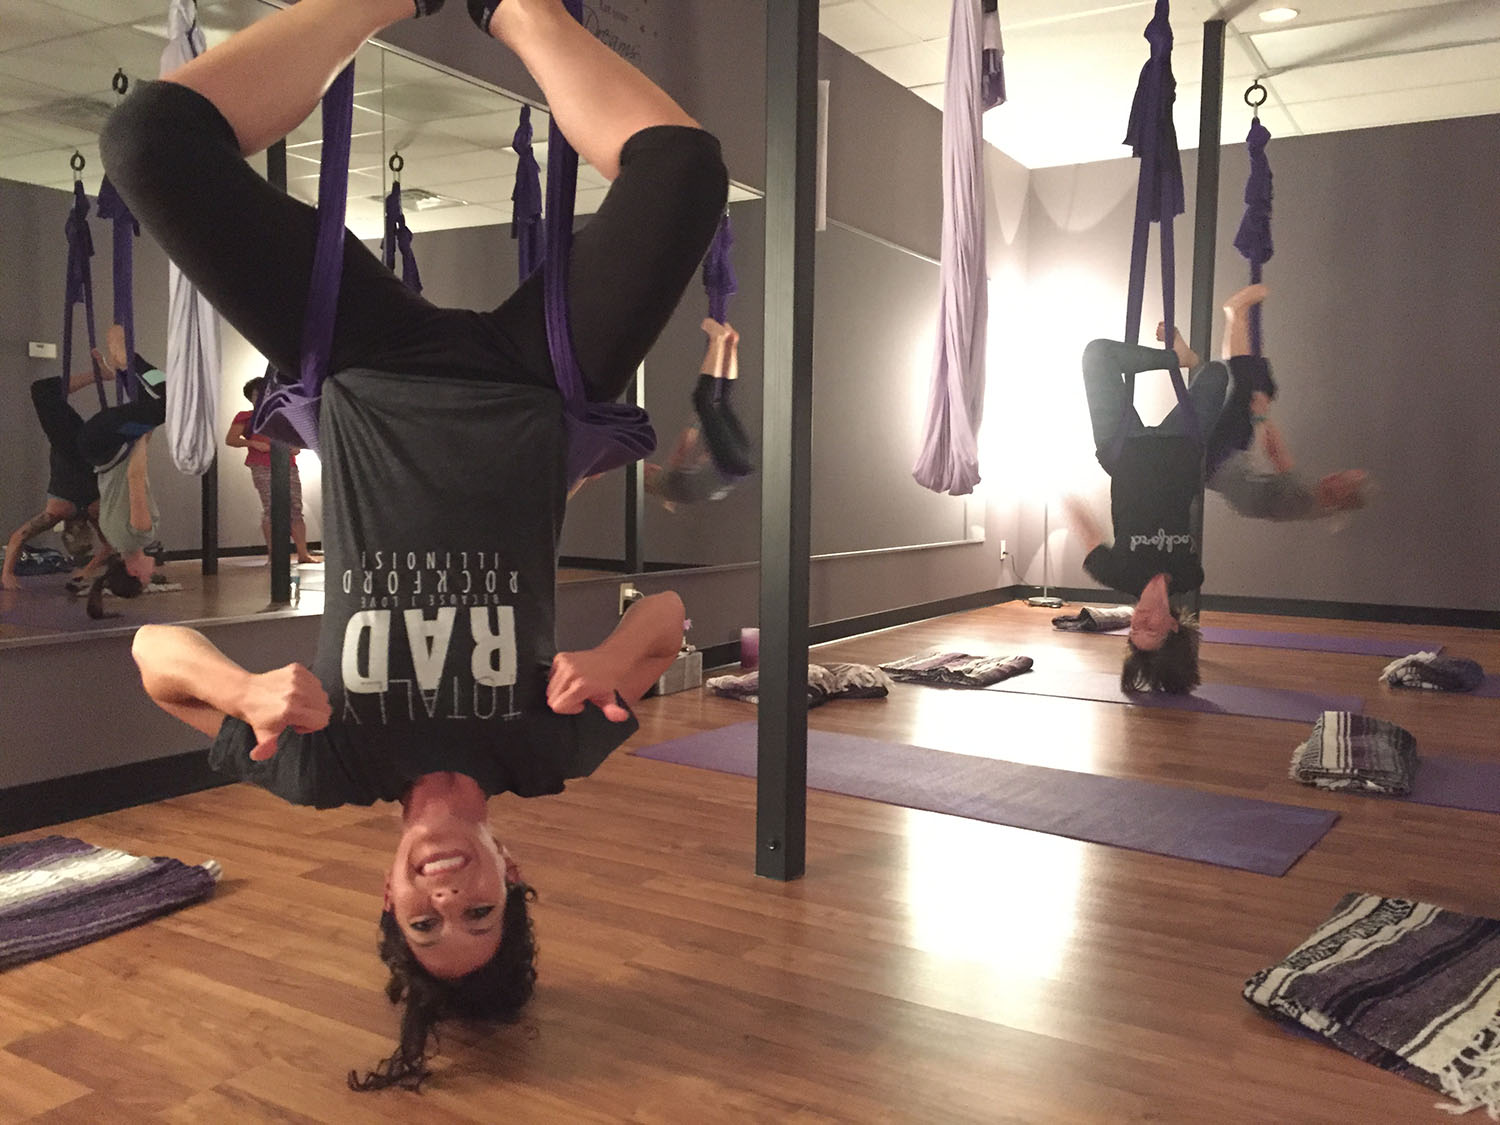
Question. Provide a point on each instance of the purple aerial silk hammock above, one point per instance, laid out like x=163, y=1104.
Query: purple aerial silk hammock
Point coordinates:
x=1253, y=240
x=80, y=286
x=398, y=239
x=719, y=280
x=601, y=435
x=949, y=460
x=288, y=412
x=126, y=231
x=1152, y=136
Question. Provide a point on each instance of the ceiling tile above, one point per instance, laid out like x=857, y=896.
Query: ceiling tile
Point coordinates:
x=923, y=19
x=858, y=27
x=1338, y=80
x=918, y=64
x=28, y=22
x=1390, y=107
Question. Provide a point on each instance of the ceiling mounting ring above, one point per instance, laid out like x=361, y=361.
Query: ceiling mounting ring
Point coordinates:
x=77, y=162
x=396, y=163
x=1251, y=99
x=121, y=82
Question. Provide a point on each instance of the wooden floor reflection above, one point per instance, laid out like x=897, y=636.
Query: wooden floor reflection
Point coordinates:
x=43, y=609
x=927, y=969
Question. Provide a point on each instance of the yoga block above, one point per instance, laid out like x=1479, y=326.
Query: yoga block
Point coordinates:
x=685, y=674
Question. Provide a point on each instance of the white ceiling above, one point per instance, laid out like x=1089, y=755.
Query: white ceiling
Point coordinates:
x=58, y=57
x=1071, y=65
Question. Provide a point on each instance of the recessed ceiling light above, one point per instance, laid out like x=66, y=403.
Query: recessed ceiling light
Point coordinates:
x=1279, y=15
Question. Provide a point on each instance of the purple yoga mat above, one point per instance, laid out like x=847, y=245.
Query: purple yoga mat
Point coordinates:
x=1221, y=699
x=1146, y=816
x=1310, y=642
x=1457, y=783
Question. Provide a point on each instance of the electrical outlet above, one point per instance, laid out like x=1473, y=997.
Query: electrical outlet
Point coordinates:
x=1004, y=553
x=628, y=596
x=37, y=350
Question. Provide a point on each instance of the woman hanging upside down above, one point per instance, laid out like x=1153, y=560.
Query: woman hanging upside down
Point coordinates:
x=1153, y=493
x=436, y=682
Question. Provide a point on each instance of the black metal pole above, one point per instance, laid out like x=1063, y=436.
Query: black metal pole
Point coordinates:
x=281, y=457
x=1206, y=221
x=635, y=488
x=210, y=505
x=786, y=483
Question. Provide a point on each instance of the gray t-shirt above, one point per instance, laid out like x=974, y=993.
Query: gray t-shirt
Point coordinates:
x=443, y=502
x=114, y=509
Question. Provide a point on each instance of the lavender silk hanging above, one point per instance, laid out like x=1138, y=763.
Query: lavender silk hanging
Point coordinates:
x=193, y=363
x=526, y=200
x=80, y=286
x=1152, y=136
x=398, y=238
x=1253, y=240
x=289, y=411
x=126, y=230
x=949, y=459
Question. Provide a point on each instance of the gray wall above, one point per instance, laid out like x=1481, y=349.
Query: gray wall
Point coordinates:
x=1384, y=293
x=31, y=301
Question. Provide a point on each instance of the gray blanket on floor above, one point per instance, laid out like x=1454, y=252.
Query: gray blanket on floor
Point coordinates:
x=956, y=669
x=1094, y=619
x=824, y=682
x=1433, y=672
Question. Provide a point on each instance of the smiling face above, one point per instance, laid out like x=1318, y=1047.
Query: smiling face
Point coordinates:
x=446, y=888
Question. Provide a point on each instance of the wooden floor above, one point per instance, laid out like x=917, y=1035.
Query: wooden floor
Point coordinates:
x=927, y=969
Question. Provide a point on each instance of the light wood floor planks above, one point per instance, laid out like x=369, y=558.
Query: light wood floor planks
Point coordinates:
x=927, y=969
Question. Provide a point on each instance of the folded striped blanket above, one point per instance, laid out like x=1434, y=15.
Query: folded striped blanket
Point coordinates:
x=1408, y=986
x=956, y=669
x=58, y=893
x=1348, y=751
x=824, y=682
x=1094, y=619
x=1433, y=672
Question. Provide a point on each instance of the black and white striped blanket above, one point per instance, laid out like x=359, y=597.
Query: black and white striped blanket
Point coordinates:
x=1094, y=619
x=824, y=682
x=1347, y=751
x=1408, y=986
x=1433, y=672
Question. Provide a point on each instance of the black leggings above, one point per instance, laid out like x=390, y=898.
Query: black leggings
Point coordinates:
x=249, y=249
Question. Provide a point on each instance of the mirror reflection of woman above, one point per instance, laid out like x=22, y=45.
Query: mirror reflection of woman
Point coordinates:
x=437, y=682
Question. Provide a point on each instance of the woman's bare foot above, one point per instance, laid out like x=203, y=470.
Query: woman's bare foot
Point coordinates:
x=1345, y=491
x=1245, y=298
x=1185, y=355
x=115, y=347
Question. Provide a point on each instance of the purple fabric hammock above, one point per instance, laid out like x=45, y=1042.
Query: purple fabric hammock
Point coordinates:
x=601, y=435
x=126, y=231
x=80, y=286
x=1152, y=137
x=526, y=200
x=949, y=459
x=288, y=411
x=719, y=280
x=398, y=239
x=1253, y=240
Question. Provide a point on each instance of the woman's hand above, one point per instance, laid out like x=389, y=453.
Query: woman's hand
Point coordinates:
x=590, y=676
x=286, y=697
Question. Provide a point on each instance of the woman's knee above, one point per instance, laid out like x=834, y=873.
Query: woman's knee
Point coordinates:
x=685, y=162
x=150, y=139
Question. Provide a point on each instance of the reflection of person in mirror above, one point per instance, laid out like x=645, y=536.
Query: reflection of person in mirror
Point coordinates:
x=708, y=459
x=1245, y=434
x=258, y=459
x=72, y=487
x=443, y=450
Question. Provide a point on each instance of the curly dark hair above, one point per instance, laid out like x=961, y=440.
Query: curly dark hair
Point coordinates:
x=1172, y=668
x=252, y=387
x=118, y=580
x=495, y=991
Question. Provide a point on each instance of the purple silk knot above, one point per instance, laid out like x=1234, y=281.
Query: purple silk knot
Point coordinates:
x=80, y=285
x=992, y=59
x=398, y=238
x=126, y=231
x=526, y=199
x=1253, y=240
x=719, y=280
